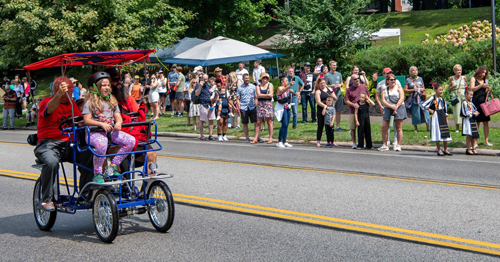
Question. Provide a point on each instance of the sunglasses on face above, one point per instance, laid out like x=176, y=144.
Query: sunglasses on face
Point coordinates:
x=353, y=79
x=392, y=79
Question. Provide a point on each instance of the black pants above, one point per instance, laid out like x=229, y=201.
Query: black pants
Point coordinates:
x=329, y=134
x=51, y=152
x=364, y=131
x=19, y=106
x=321, y=122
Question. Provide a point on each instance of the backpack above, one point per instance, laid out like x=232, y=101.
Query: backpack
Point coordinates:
x=224, y=104
x=194, y=98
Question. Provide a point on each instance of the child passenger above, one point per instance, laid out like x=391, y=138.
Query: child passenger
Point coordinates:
x=222, y=111
x=101, y=109
x=362, y=117
x=439, y=122
x=329, y=113
x=469, y=124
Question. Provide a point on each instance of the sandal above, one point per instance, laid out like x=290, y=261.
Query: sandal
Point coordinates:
x=318, y=144
x=335, y=144
x=440, y=153
x=270, y=141
x=448, y=153
x=203, y=138
x=254, y=142
x=48, y=206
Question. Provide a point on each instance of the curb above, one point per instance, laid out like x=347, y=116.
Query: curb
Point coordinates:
x=454, y=150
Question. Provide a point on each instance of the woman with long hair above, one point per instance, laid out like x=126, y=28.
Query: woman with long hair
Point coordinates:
x=480, y=87
x=232, y=86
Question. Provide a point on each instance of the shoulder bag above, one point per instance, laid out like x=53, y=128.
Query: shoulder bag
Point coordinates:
x=490, y=107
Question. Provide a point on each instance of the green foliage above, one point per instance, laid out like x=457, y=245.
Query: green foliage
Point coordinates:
x=325, y=28
x=35, y=29
x=231, y=18
x=434, y=62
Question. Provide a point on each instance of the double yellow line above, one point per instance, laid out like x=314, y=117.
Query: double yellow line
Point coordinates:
x=319, y=220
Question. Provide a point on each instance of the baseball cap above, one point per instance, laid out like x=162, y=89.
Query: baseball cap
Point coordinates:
x=160, y=72
x=137, y=77
x=218, y=69
x=387, y=70
x=198, y=68
x=174, y=65
x=307, y=64
x=146, y=72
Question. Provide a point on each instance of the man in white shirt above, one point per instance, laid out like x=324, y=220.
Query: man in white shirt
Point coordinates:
x=241, y=71
x=257, y=71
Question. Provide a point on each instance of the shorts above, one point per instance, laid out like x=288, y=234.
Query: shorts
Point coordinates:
x=339, y=104
x=162, y=94
x=245, y=115
x=352, y=122
x=401, y=113
x=153, y=97
x=179, y=96
x=205, y=113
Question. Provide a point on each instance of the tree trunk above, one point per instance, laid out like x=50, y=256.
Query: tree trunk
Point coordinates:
x=416, y=5
x=383, y=6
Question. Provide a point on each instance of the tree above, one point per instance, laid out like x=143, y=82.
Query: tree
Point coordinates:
x=36, y=29
x=330, y=29
x=236, y=19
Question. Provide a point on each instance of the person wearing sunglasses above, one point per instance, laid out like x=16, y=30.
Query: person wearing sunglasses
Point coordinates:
x=351, y=99
x=393, y=100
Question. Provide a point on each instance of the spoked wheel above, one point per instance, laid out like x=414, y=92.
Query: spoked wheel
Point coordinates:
x=105, y=216
x=44, y=220
x=161, y=213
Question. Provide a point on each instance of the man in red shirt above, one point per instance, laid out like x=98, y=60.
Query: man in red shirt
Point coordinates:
x=53, y=146
x=351, y=99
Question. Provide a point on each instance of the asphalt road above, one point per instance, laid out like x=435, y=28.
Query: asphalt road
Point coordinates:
x=236, y=201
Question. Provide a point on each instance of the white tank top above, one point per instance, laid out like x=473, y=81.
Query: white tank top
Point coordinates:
x=392, y=97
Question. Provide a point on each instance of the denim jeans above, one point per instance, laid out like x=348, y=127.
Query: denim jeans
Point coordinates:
x=9, y=112
x=304, y=98
x=294, y=109
x=285, y=121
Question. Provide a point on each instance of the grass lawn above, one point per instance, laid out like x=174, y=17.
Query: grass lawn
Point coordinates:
x=415, y=24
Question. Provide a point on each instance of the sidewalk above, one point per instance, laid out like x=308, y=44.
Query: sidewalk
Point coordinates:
x=378, y=119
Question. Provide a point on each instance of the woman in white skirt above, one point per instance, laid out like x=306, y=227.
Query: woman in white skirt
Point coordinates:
x=194, y=109
x=153, y=97
x=393, y=100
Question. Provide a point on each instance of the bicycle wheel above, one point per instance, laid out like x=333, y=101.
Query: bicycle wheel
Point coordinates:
x=161, y=213
x=44, y=219
x=105, y=216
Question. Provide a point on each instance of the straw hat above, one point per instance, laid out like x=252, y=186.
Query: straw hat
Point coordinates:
x=263, y=75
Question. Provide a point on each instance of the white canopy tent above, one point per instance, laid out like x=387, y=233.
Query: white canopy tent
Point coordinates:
x=387, y=32
x=221, y=50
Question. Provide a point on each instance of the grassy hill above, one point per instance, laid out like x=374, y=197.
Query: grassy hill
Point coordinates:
x=415, y=24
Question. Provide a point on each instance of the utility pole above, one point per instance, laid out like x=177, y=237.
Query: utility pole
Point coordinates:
x=493, y=36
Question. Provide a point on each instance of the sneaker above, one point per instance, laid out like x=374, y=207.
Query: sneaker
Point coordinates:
x=328, y=145
x=181, y=115
x=115, y=171
x=260, y=140
x=416, y=131
x=48, y=206
x=224, y=138
x=287, y=145
x=457, y=131
x=32, y=123
x=383, y=148
x=294, y=127
x=354, y=146
x=395, y=147
x=98, y=179
x=247, y=140
x=220, y=139
x=280, y=145
x=338, y=129
x=28, y=124
x=398, y=148
x=229, y=126
x=489, y=144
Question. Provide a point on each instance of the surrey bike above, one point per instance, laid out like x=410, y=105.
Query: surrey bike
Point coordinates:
x=133, y=192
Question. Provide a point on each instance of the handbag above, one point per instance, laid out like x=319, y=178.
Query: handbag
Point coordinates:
x=490, y=107
x=454, y=101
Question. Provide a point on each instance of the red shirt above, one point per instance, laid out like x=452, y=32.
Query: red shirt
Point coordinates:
x=352, y=95
x=48, y=126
